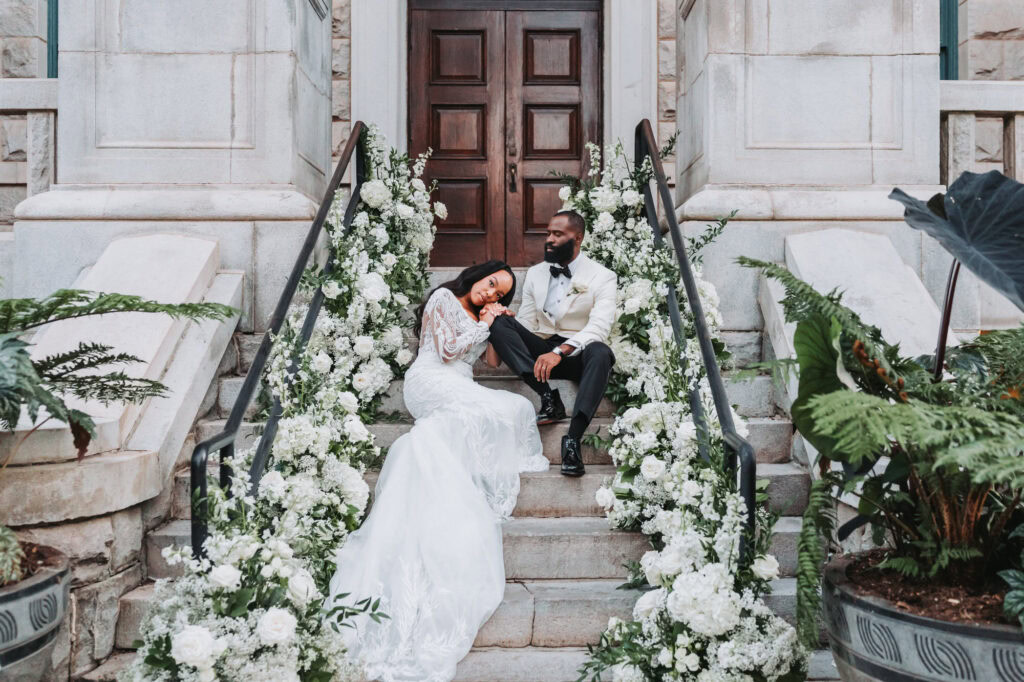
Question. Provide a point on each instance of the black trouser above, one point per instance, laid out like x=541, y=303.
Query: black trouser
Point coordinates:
x=519, y=348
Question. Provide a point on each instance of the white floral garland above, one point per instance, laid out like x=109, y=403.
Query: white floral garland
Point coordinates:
x=253, y=608
x=703, y=618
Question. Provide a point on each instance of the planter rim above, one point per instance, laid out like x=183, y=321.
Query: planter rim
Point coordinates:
x=43, y=578
x=835, y=573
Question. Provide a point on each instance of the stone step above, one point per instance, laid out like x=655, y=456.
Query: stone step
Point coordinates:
x=528, y=664
x=789, y=485
x=227, y=393
x=771, y=437
x=110, y=670
x=535, y=548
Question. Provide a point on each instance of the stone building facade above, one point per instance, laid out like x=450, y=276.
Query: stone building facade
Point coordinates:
x=221, y=122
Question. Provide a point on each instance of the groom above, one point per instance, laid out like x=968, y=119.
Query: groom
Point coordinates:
x=561, y=331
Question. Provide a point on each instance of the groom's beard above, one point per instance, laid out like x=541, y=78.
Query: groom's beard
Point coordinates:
x=558, y=254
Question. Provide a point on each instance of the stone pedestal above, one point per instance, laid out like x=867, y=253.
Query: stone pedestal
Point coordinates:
x=211, y=119
x=803, y=115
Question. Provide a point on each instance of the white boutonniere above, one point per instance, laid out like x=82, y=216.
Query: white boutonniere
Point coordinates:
x=577, y=287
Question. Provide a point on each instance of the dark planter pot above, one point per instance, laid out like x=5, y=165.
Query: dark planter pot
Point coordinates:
x=31, y=612
x=873, y=640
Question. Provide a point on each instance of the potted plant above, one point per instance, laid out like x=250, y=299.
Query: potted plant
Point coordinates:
x=929, y=451
x=34, y=579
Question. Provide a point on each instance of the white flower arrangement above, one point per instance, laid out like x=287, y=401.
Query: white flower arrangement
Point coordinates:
x=703, y=618
x=252, y=609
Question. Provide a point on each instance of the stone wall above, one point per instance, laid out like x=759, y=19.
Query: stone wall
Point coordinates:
x=22, y=55
x=991, y=40
x=667, y=69
x=341, y=60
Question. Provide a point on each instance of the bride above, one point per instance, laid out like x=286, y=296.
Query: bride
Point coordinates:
x=431, y=548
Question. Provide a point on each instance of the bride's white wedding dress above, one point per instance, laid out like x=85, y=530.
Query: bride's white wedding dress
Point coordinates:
x=431, y=545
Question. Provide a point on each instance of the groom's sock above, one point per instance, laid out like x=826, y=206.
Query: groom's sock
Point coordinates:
x=578, y=425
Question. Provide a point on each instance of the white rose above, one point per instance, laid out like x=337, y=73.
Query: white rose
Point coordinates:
x=301, y=587
x=401, y=299
x=652, y=468
x=605, y=497
x=348, y=401
x=273, y=482
x=405, y=211
x=194, y=646
x=226, y=577
x=363, y=346
x=671, y=561
x=649, y=564
x=631, y=197
x=331, y=289
x=360, y=381
x=355, y=429
x=691, y=661
x=380, y=234
x=373, y=287
x=321, y=363
x=207, y=675
x=418, y=185
x=631, y=306
x=766, y=567
x=374, y=193
x=404, y=357
x=276, y=626
x=647, y=603
x=665, y=658
x=389, y=259
x=440, y=210
x=564, y=192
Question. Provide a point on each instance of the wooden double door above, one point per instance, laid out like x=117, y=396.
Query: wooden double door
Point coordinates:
x=503, y=96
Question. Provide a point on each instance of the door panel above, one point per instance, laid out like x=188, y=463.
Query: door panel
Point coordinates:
x=553, y=105
x=457, y=108
x=503, y=98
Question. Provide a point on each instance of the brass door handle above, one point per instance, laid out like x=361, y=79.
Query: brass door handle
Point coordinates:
x=512, y=170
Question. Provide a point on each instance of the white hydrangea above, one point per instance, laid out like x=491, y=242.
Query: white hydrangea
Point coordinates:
x=374, y=193
x=373, y=287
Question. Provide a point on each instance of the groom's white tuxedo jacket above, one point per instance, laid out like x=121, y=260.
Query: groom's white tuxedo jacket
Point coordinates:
x=587, y=312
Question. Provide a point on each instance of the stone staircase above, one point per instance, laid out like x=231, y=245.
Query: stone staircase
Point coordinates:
x=563, y=563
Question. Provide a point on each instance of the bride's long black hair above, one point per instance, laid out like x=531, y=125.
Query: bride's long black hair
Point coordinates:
x=465, y=280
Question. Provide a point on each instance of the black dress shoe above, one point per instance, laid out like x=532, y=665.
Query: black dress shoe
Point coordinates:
x=572, y=458
x=551, y=409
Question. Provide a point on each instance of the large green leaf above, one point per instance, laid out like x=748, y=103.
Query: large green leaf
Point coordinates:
x=980, y=221
x=816, y=342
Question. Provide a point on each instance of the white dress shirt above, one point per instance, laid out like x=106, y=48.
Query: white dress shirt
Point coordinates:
x=558, y=290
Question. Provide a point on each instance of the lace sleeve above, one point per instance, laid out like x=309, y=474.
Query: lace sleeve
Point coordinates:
x=447, y=325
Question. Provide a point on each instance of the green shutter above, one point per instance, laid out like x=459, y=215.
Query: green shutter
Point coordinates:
x=948, y=43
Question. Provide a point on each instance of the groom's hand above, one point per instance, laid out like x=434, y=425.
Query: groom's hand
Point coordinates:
x=545, y=363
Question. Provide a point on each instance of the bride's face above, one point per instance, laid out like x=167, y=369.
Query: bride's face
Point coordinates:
x=490, y=289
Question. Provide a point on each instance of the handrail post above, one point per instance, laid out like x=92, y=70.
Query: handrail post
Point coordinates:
x=224, y=442
x=736, y=447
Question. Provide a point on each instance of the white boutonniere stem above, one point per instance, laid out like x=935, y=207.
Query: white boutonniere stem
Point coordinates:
x=576, y=287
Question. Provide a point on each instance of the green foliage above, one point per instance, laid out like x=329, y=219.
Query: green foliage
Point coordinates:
x=11, y=556
x=818, y=524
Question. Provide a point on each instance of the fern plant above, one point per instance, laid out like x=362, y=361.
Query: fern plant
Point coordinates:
x=37, y=387
x=935, y=467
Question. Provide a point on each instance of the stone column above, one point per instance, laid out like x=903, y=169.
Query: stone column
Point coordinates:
x=802, y=115
x=202, y=118
x=991, y=37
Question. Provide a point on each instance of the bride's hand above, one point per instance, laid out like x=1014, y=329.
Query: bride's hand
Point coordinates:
x=487, y=316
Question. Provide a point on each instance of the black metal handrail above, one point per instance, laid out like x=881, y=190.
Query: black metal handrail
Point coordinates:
x=736, y=446
x=224, y=442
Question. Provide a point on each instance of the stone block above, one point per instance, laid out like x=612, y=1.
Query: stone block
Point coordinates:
x=1013, y=60
x=666, y=59
x=666, y=19
x=22, y=58
x=248, y=345
x=666, y=101
x=988, y=140
x=788, y=487
x=133, y=609
x=994, y=20
x=512, y=622
x=753, y=397
x=548, y=494
x=277, y=245
x=127, y=531
x=10, y=197
x=41, y=141
x=576, y=613
x=13, y=138
x=568, y=548
x=341, y=101
x=87, y=545
x=783, y=544
x=230, y=388
x=229, y=362
x=771, y=438
x=110, y=670
x=525, y=664
x=340, y=57
x=22, y=18
x=341, y=18
x=744, y=347
x=95, y=610
x=877, y=284
x=339, y=136
x=836, y=27
x=985, y=60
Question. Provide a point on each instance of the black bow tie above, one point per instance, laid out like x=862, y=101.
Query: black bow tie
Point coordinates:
x=563, y=270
